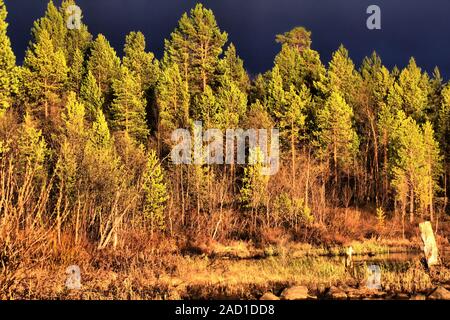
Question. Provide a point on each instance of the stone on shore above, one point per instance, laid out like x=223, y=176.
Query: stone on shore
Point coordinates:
x=440, y=293
x=269, y=296
x=295, y=293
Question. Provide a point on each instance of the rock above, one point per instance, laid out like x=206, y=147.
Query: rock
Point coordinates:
x=336, y=294
x=269, y=296
x=401, y=296
x=418, y=297
x=440, y=293
x=295, y=293
x=430, y=248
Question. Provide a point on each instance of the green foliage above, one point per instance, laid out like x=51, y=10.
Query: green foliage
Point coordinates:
x=343, y=77
x=140, y=63
x=8, y=77
x=253, y=193
x=32, y=148
x=128, y=107
x=292, y=211
x=232, y=67
x=410, y=93
x=45, y=72
x=298, y=38
x=173, y=102
x=195, y=46
x=53, y=25
x=416, y=163
x=155, y=192
x=381, y=217
x=104, y=64
x=337, y=133
x=231, y=105
x=91, y=95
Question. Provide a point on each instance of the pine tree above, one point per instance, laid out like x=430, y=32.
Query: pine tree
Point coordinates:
x=231, y=104
x=104, y=64
x=254, y=183
x=410, y=93
x=195, y=46
x=73, y=118
x=128, y=107
x=76, y=39
x=433, y=169
x=173, y=103
x=53, y=25
x=8, y=77
x=232, y=67
x=289, y=63
x=45, y=72
x=32, y=149
x=155, y=193
x=298, y=38
x=443, y=133
x=141, y=64
x=337, y=133
x=377, y=82
x=292, y=120
x=91, y=95
x=343, y=77
x=76, y=71
x=276, y=95
x=205, y=107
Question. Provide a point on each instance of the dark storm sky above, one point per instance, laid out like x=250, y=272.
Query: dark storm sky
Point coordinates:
x=419, y=28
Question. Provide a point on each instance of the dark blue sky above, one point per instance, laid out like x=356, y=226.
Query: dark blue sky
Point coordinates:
x=419, y=28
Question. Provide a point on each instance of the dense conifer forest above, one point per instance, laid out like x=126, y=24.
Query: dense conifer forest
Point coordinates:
x=86, y=137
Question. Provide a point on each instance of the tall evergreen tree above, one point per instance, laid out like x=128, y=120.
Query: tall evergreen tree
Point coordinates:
x=195, y=46
x=104, y=64
x=52, y=24
x=141, y=64
x=410, y=93
x=231, y=105
x=128, y=107
x=8, y=76
x=338, y=134
x=45, y=72
x=298, y=38
x=173, y=102
x=91, y=95
x=155, y=193
x=343, y=77
x=232, y=67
